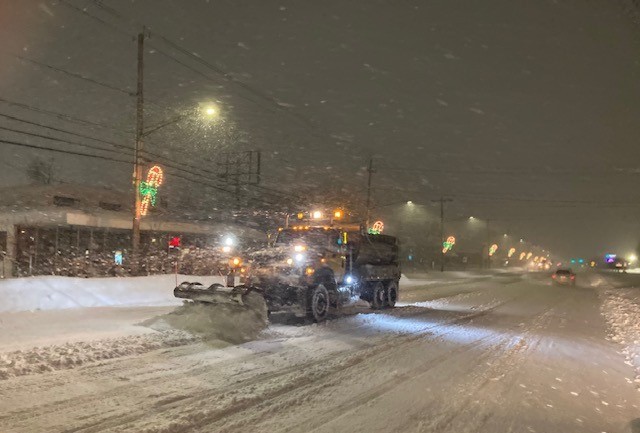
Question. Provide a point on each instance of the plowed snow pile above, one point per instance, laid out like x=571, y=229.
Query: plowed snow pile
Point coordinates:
x=72, y=355
x=621, y=309
x=228, y=323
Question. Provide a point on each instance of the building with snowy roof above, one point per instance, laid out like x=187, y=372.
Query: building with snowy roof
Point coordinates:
x=42, y=226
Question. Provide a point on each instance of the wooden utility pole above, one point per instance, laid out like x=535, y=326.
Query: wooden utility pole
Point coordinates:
x=370, y=170
x=488, y=244
x=137, y=159
x=442, y=201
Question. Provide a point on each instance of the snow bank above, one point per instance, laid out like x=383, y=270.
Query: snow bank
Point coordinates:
x=621, y=309
x=71, y=355
x=54, y=293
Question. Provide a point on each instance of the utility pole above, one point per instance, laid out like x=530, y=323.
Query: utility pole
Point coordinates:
x=488, y=244
x=442, y=201
x=137, y=158
x=370, y=170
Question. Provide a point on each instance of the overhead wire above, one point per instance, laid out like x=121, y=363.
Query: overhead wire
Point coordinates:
x=75, y=75
x=275, y=104
x=56, y=150
x=45, y=137
x=183, y=165
x=64, y=131
x=62, y=116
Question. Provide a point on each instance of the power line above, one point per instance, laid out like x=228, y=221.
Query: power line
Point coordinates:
x=62, y=116
x=218, y=71
x=100, y=20
x=60, y=140
x=537, y=200
x=68, y=152
x=511, y=172
x=74, y=75
x=117, y=145
x=40, y=125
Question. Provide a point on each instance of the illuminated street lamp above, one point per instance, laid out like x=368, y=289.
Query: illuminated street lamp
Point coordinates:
x=209, y=111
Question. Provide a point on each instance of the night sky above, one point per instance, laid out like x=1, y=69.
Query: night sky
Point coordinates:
x=525, y=113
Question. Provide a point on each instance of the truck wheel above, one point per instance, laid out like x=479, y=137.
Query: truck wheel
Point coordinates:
x=392, y=294
x=320, y=303
x=378, y=296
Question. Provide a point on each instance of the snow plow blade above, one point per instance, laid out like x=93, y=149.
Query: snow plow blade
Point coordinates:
x=214, y=294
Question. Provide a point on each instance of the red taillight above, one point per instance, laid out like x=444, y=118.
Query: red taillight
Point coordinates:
x=553, y=276
x=573, y=277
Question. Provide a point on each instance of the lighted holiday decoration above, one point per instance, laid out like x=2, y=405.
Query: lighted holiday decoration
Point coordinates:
x=522, y=255
x=492, y=249
x=448, y=244
x=512, y=251
x=149, y=188
x=376, y=228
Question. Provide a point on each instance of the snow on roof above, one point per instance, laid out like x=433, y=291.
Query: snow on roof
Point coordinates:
x=78, y=205
x=69, y=195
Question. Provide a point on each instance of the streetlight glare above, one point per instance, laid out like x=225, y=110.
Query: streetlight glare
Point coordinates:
x=210, y=111
x=472, y=218
x=409, y=202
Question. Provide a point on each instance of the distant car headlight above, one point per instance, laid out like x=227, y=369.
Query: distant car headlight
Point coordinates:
x=299, y=258
x=349, y=279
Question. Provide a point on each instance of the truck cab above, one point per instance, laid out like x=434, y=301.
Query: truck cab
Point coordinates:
x=319, y=252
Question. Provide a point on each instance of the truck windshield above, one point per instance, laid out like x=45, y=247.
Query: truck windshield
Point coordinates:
x=318, y=237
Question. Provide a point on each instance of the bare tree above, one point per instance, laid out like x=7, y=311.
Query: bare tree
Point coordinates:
x=40, y=172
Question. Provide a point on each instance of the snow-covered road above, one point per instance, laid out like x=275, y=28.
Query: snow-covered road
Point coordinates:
x=508, y=353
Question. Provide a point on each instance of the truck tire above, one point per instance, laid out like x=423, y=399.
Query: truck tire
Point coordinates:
x=320, y=303
x=392, y=294
x=378, y=296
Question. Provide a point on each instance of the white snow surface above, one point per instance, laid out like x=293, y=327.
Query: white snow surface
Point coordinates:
x=55, y=293
x=504, y=352
x=621, y=308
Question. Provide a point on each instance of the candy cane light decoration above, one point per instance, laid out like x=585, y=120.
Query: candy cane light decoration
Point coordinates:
x=149, y=188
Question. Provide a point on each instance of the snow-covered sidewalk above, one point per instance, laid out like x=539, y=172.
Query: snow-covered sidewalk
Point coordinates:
x=56, y=293
x=621, y=309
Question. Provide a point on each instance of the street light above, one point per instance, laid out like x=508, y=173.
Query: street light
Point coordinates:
x=207, y=111
x=409, y=202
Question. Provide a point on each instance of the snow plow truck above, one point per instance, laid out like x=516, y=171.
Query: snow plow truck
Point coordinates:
x=310, y=270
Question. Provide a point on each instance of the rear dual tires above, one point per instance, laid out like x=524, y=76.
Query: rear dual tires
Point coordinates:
x=384, y=296
x=378, y=296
